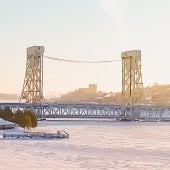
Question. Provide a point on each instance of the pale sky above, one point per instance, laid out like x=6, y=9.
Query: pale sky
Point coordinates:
x=83, y=30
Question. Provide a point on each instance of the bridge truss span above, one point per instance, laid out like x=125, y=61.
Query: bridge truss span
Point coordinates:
x=82, y=111
x=49, y=110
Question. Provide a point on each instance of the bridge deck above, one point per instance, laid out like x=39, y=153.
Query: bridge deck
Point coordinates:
x=51, y=110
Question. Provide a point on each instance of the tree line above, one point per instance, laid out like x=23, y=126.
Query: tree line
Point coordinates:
x=24, y=118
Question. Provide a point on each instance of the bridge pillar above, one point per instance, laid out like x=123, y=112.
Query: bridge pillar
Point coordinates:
x=132, y=85
x=32, y=90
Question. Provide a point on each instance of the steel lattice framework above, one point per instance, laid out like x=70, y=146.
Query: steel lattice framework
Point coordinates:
x=33, y=83
x=49, y=110
x=132, y=85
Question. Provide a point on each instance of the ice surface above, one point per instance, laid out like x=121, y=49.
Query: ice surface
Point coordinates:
x=92, y=145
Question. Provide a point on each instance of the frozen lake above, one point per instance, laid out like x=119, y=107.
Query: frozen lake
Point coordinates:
x=93, y=145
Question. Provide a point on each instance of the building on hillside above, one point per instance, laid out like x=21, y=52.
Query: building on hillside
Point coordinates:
x=157, y=95
x=91, y=89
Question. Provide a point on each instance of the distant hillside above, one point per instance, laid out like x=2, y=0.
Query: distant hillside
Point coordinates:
x=152, y=95
x=4, y=96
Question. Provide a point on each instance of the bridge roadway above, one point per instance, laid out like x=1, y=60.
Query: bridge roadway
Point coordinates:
x=54, y=110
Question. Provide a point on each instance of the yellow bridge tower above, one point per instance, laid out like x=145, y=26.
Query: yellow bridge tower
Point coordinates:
x=132, y=85
x=32, y=90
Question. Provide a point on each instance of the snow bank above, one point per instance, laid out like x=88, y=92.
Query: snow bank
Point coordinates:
x=4, y=122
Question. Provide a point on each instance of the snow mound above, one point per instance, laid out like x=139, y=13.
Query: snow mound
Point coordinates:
x=4, y=122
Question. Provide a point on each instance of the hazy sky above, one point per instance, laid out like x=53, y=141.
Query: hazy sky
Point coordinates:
x=83, y=30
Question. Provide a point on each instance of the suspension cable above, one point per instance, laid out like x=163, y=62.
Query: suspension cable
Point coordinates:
x=81, y=61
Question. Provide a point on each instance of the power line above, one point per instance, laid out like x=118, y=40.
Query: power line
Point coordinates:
x=81, y=61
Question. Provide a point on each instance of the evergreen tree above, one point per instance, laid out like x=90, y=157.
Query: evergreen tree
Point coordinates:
x=25, y=119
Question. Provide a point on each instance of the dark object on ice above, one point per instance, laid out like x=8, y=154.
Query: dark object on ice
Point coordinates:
x=125, y=119
x=37, y=135
x=41, y=119
x=7, y=126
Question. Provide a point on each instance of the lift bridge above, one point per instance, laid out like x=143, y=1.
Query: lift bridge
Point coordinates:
x=132, y=96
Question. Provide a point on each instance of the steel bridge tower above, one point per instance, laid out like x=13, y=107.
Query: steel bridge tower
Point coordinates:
x=132, y=86
x=32, y=90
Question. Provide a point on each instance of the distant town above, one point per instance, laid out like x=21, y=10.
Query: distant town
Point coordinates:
x=152, y=95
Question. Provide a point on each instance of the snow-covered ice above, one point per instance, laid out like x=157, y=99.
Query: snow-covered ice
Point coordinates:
x=92, y=145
